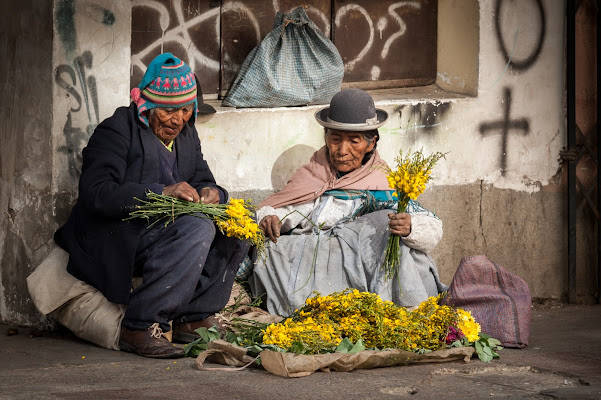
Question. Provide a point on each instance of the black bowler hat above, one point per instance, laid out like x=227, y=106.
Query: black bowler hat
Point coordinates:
x=352, y=110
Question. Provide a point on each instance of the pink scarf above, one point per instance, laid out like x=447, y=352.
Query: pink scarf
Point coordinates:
x=311, y=180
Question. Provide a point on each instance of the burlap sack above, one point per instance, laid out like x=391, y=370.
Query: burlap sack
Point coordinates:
x=74, y=304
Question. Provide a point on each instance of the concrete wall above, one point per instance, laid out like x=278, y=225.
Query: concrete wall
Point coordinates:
x=26, y=217
x=499, y=192
x=91, y=64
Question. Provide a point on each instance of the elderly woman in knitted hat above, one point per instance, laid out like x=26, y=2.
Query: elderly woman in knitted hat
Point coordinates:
x=187, y=267
x=330, y=224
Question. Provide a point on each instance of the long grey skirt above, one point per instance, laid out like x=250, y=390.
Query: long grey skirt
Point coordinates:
x=346, y=256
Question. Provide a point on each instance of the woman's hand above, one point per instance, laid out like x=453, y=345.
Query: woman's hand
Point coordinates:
x=182, y=190
x=271, y=226
x=400, y=224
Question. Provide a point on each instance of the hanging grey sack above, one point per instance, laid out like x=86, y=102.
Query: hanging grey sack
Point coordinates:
x=498, y=299
x=294, y=65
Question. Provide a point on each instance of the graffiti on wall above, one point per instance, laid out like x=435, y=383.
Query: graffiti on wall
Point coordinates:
x=76, y=79
x=529, y=53
x=505, y=126
x=535, y=43
x=215, y=40
x=84, y=92
x=424, y=116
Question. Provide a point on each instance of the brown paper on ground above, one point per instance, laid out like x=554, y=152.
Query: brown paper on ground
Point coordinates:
x=225, y=353
x=290, y=365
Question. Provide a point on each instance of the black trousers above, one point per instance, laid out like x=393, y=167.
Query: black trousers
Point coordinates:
x=187, y=268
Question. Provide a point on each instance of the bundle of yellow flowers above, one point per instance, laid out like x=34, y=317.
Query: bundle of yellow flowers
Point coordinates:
x=240, y=224
x=325, y=321
x=409, y=180
x=234, y=219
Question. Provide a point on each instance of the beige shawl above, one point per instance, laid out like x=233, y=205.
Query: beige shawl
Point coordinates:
x=312, y=180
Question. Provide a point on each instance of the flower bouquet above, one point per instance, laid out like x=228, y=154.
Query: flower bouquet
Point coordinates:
x=234, y=219
x=409, y=180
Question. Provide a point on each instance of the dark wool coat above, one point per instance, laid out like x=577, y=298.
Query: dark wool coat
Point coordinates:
x=121, y=163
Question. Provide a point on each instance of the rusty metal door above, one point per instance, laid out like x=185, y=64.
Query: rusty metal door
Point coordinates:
x=583, y=151
x=387, y=43
x=189, y=29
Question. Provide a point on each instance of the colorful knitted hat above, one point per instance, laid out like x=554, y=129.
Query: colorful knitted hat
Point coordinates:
x=168, y=82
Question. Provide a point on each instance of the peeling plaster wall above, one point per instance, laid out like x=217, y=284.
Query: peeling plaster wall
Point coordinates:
x=26, y=219
x=77, y=63
x=499, y=192
x=91, y=64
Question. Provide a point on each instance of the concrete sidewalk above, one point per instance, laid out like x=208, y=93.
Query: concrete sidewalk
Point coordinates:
x=562, y=361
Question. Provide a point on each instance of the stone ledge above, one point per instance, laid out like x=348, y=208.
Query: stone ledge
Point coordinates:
x=382, y=97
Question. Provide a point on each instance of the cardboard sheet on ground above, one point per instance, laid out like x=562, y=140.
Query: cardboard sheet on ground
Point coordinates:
x=290, y=365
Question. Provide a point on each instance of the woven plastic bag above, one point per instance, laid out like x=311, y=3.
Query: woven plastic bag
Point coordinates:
x=498, y=299
x=294, y=65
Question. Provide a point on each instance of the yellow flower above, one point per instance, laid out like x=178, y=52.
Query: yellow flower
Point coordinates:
x=467, y=324
x=239, y=223
x=409, y=181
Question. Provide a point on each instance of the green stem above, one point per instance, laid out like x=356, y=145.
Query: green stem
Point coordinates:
x=392, y=258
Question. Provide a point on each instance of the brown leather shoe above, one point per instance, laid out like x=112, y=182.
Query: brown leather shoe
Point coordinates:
x=148, y=343
x=185, y=333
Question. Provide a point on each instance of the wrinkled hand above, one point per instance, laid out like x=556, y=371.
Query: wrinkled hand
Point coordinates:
x=399, y=224
x=209, y=195
x=271, y=226
x=182, y=190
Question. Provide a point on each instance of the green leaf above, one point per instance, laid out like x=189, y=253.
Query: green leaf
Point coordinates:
x=214, y=333
x=194, y=348
x=297, y=347
x=359, y=346
x=254, y=350
x=231, y=337
x=345, y=346
x=484, y=357
x=485, y=353
x=481, y=355
x=204, y=334
x=208, y=334
x=487, y=350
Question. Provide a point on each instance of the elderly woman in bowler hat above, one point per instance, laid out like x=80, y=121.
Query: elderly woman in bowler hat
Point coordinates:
x=187, y=267
x=328, y=227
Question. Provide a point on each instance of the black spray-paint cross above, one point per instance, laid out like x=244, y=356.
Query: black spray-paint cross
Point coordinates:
x=505, y=125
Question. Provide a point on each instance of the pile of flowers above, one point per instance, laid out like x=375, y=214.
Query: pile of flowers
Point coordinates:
x=234, y=219
x=324, y=321
x=357, y=320
x=408, y=180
